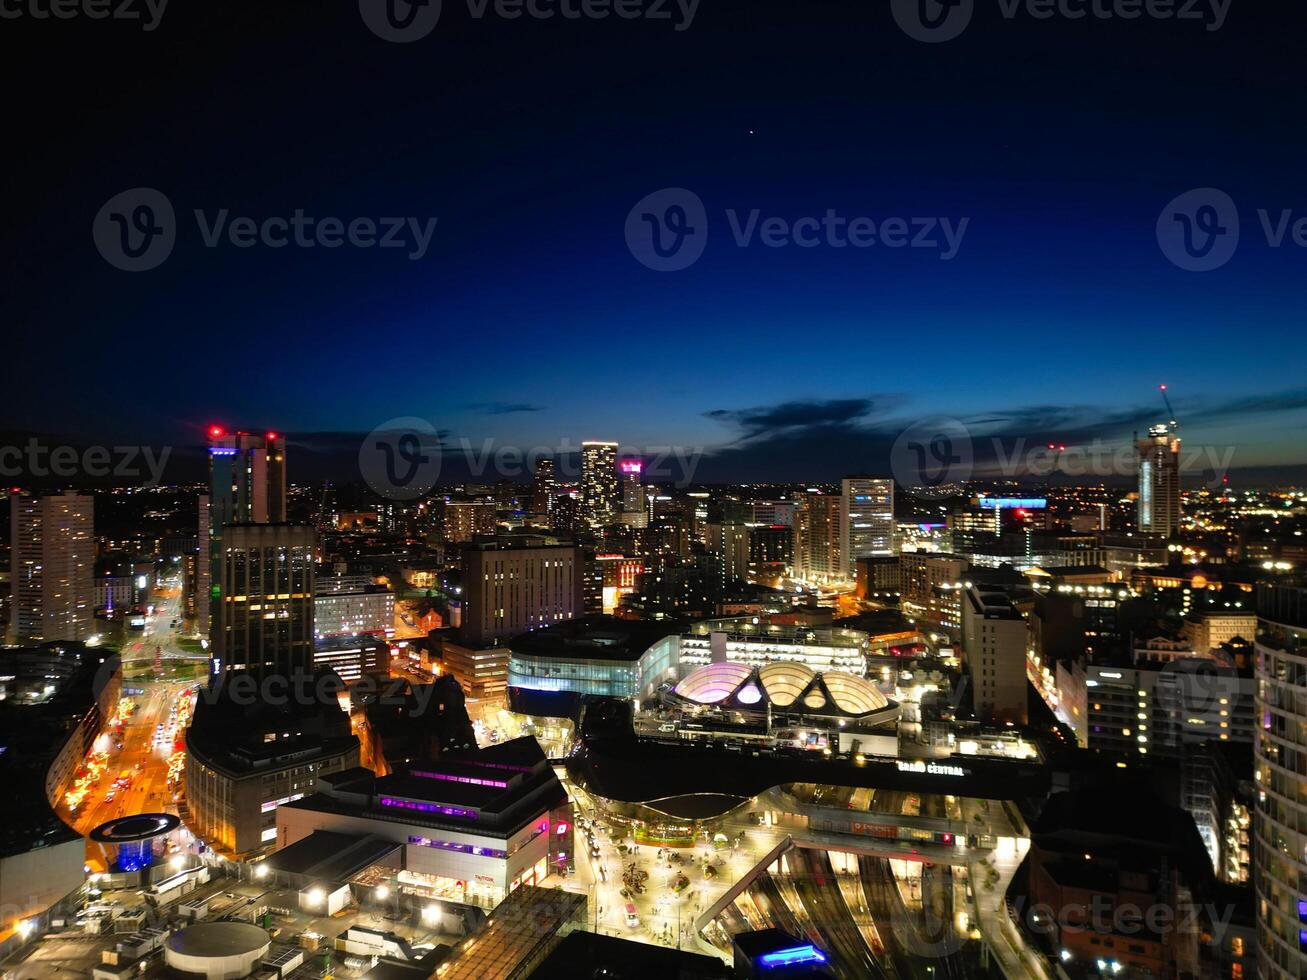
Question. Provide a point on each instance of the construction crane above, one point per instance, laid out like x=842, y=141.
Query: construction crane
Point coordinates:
x=1170, y=410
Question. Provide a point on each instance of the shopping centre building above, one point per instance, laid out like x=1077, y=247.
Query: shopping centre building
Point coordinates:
x=602, y=655
x=474, y=825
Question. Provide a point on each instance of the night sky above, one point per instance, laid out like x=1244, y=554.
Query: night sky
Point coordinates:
x=528, y=321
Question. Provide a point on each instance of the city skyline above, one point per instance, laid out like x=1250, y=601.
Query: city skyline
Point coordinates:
x=1059, y=263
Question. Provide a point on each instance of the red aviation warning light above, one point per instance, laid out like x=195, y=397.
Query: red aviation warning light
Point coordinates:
x=217, y=431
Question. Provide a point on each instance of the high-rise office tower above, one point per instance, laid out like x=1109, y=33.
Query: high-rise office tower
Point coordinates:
x=1280, y=835
x=542, y=487
x=994, y=638
x=1159, y=481
x=247, y=485
x=52, y=562
x=634, y=513
x=598, y=481
x=266, y=583
x=866, y=520
x=514, y=585
x=817, y=537
x=729, y=546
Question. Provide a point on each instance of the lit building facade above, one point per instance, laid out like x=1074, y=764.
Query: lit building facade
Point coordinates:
x=866, y=520
x=995, y=638
x=543, y=487
x=52, y=567
x=512, y=586
x=474, y=825
x=598, y=481
x=247, y=485
x=370, y=610
x=932, y=588
x=741, y=641
x=265, y=617
x=634, y=513
x=817, y=556
x=1280, y=835
x=596, y=655
x=1159, y=481
x=465, y=519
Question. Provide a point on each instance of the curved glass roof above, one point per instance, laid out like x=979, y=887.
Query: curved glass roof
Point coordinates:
x=784, y=685
x=785, y=682
x=714, y=682
x=855, y=695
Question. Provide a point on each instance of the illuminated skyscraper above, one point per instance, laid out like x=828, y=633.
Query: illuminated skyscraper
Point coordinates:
x=52, y=563
x=866, y=520
x=1159, y=481
x=817, y=538
x=543, y=487
x=265, y=620
x=1280, y=837
x=598, y=481
x=634, y=513
x=247, y=485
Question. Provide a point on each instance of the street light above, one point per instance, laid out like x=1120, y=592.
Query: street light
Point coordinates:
x=382, y=893
x=260, y=871
x=315, y=896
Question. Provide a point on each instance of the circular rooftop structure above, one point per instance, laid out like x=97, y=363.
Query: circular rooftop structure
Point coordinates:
x=141, y=826
x=790, y=687
x=129, y=841
x=217, y=950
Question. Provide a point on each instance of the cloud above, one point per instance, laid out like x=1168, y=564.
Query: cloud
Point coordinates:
x=772, y=421
x=799, y=441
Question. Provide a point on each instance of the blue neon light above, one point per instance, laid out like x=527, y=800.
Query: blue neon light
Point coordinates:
x=216, y=451
x=1014, y=503
x=793, y=955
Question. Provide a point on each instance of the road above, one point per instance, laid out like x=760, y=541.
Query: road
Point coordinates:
x=149, y=735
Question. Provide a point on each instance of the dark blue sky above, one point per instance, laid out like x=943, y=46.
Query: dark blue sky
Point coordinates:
x=529, y=321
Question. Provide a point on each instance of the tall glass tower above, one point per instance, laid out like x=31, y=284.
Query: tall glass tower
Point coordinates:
x=1280, y=836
